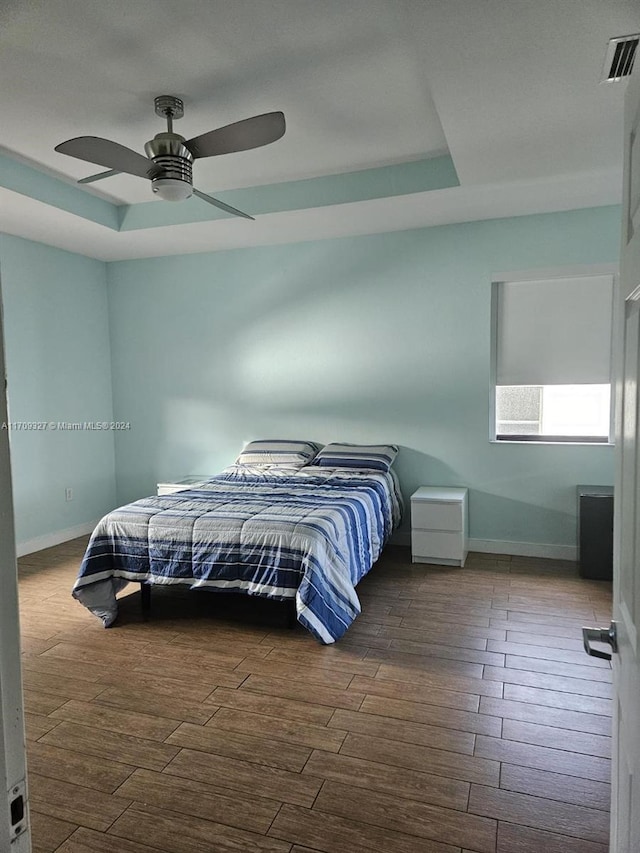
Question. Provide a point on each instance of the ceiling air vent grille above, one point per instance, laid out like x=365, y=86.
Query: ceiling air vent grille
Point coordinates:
x=618, y=62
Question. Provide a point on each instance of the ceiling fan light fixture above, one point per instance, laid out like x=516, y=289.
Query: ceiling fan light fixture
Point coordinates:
x=172, y=189
x=169, y=161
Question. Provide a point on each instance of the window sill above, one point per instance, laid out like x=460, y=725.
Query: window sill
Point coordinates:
x=521, y=443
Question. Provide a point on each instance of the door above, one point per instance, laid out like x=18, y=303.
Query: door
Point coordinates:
x=14, y=820
x=625, y=803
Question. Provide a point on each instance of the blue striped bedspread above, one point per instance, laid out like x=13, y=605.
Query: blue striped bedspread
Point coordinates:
x=308, y=534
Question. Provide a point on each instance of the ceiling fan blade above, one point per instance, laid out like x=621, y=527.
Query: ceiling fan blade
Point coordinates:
x=99, y=176
x=221, y=204
x=112, y=155
x=239, y=136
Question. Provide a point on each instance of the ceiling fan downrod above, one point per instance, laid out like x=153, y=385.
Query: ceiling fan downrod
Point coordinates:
x=167, y=150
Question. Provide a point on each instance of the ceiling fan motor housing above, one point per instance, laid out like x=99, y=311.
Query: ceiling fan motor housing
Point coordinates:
x=174, y=181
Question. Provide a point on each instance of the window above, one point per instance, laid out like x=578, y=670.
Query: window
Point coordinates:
x=552, y=359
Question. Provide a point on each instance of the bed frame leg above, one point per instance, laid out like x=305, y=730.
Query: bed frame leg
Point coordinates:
x=145, y=600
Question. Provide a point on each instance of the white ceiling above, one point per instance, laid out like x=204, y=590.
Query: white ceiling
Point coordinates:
x=509, y=87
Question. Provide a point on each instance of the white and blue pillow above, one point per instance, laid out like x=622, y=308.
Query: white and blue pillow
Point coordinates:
x=281, y=452
x=377, y=457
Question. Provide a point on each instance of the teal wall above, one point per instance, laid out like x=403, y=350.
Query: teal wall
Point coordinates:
x=375, y=338
x=58, y=369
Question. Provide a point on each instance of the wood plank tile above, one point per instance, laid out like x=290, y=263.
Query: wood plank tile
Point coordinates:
x=423, y=787
x=259, y=750
x=394, y=729
x=315, y=675
x=444, y=681
x=115, y=720
x=588, y=744
x=569, y=628
x=174, y=833
x=546, y=716
x=324, y=658
x=69, y=802
x=426, y=663
x=47, y=832
x=553, y=653
x=223, y=642
x=434, y=715
x=453, y=652
x=552, y=667
x=567, y=619
x=404, y=690
x=75, y=767
x=573, y=642
x=424, y=619
x=515, y=656
x=90, y=654
x=577, y=821
x=543, y=758
x=522, y=839
x=36, y=725
x=556, y=699
x=127, y=749
x=330, y=834
x=304, y=691
x=391, y=812
x=156, y=657
x=562, y=684
x=56, y=685
x=30, y=646
x=290, y=709
x=263, y=781
x=41, y=703
x=469, y=636
x=309, y=735
x=556, y=786
x=158, y=704
x=212, y=676
x=63, y=668
x=89, y=841
x=211, y=802
x=467, y=768
x=450, y=608
x=195, y=690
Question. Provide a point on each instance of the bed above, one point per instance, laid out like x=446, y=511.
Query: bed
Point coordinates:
x=306, y=534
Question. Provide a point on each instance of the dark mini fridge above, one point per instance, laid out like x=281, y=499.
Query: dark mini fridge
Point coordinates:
x=595, y=532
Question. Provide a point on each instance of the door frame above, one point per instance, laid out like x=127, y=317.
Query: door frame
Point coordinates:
x=15, y=835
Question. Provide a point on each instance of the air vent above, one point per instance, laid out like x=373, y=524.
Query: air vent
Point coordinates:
x=618, y=62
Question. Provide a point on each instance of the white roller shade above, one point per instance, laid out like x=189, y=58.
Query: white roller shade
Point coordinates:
x=555, y=331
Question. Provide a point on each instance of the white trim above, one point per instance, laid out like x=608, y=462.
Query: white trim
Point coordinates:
x=568, y=271
x=14, y=835
x=498, y=546
x=524, y=549
x=48, y=540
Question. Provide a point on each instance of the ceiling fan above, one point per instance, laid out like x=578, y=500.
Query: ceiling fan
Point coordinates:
x=169, y=160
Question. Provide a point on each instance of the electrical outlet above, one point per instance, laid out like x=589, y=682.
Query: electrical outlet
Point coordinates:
x=68, y=494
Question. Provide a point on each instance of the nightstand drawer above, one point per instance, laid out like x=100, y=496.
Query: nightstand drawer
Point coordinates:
x=437, y=544
x=437, y=516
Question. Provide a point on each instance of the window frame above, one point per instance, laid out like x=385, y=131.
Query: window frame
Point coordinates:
x=577, y=271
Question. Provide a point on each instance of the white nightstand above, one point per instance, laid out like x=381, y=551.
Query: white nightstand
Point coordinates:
x=439, y=526
x=182, y=485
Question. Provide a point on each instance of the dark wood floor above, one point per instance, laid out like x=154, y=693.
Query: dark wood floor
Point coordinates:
x=459, y=713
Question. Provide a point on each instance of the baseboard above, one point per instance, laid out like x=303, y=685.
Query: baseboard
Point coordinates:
x=498, y=546
x=524, y=549
x=39, y=543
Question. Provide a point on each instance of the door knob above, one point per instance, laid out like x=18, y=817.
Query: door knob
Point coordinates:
x=600, y=635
